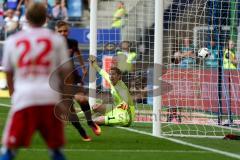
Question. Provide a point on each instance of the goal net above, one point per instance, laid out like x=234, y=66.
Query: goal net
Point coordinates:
x=199, y=90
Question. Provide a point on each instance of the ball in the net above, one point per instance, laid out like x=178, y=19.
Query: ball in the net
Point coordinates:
x=203, y=52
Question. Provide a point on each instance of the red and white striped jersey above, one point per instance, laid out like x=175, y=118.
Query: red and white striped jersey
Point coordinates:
x=33, y=55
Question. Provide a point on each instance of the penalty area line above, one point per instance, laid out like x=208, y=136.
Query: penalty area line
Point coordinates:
x=228, y=154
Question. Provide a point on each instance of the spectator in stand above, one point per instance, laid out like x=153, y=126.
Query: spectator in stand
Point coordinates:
x=118, y=16
x=49, y=8
x=212, y=60
x=124, y=60
x=59, y=11
x=86, y=10
x=86, y=4
x=23, y=23
x=185, y=56
x=11, y=4
x=125, y=57
x=11, y=22
x=139, y=89
x=109, y=49
x=49, y=23
x=229, y=56
x=22, y=5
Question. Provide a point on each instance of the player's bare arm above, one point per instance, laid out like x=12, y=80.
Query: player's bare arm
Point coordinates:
x=81, y=61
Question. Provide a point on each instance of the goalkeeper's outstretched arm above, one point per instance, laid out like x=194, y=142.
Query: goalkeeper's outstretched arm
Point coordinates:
x=106, y=76
x=102, y=72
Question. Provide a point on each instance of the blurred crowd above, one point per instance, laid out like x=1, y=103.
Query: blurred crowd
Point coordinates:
x=12, y=15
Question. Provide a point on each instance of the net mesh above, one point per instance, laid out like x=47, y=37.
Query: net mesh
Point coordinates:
x=198, y=96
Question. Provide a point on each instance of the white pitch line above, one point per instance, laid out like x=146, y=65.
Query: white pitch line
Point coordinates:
x=228, y=154
x=4, y=105
x=224, y=127
x=117, y=150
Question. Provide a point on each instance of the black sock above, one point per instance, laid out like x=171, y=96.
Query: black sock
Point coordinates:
x=75, y=122
x=87, y=112
x=80, y=129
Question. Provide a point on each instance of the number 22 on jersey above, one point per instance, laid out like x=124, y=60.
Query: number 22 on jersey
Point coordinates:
x=40, y=59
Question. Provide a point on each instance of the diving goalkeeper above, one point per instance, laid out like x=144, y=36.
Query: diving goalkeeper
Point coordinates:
x=122, y=111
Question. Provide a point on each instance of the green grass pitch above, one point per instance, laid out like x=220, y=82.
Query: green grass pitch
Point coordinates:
x=119, y=144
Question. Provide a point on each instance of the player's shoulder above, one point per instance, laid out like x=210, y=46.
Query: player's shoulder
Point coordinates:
x=72, y=41
x=51, y=33
x=33, y=32
x=57, y=38
x=14, y=37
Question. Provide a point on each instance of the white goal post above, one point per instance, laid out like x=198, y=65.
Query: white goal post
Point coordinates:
x=158, y=62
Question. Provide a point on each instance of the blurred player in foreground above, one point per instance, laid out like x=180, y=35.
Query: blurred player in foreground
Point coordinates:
x=29, y=59
x=122, y=112
x=74, y=53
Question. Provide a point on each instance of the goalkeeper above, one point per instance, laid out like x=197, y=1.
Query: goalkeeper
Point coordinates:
x=122, y=112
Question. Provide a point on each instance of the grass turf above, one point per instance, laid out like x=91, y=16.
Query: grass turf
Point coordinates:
x=116, y=144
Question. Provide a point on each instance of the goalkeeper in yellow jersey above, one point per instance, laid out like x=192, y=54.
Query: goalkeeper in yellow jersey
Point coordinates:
x=122, y=111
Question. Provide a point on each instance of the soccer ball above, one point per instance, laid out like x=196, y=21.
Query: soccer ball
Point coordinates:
x=203, y=52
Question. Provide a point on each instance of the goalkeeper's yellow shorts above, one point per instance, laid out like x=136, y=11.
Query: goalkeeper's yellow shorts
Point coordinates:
x=117, y=117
